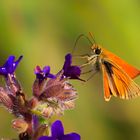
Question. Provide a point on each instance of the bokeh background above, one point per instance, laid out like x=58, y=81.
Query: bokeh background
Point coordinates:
x=43, y=31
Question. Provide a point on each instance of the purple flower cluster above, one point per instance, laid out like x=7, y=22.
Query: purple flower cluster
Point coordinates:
x=52, y=95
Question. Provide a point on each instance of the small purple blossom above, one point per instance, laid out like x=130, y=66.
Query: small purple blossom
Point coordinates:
x=57, y=132
x=41, y=79
x=72, y=72
x=10, y=65
x=44, y=73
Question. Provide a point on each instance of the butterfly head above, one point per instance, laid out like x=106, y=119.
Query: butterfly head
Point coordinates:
x=96, y=49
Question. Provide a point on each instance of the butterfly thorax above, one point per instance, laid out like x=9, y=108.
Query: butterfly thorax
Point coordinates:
x=95, y=58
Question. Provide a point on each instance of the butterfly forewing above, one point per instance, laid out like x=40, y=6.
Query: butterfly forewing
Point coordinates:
x=129, y=69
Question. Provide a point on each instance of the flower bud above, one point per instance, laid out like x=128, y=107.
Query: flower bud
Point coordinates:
x=20, y=125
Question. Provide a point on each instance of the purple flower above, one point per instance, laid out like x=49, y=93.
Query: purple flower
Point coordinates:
x=57, y=132
x=72, y=72
x=41, y=79
x=35, y=122
x=42, y=74
x=10, y=65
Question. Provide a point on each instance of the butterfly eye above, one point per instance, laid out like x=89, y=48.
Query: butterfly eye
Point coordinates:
x=97, y=50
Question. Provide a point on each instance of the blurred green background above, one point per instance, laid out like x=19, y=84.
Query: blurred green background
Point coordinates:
x=44, y=31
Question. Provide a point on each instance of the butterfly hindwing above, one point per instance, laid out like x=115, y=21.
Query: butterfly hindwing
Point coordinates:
x=117, y=82
x=107, y=91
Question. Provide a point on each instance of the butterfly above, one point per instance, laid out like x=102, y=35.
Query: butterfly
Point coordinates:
x=117, y=74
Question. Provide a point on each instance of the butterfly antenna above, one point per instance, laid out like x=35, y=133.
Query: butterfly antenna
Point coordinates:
x=91, y=35
x=78, y=38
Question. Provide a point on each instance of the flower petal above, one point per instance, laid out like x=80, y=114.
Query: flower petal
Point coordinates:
x=46, y=69
x=15, y=64
x=70, y=71
x=37, y=70
x=57, y=129
x=3, y=71
x=68, y=61
x=71, y=136
x=73, y=72
x=9, y=64
x=51, y=76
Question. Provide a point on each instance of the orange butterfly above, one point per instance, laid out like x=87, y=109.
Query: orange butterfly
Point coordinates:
x=117, y=74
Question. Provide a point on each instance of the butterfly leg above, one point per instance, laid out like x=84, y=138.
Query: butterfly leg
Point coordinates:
x=83, y=56
x=87, y=71
x=94, y=70
x=85, y=64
